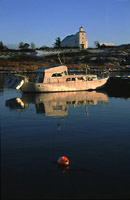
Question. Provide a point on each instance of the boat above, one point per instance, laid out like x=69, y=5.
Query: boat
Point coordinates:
x=55, y=79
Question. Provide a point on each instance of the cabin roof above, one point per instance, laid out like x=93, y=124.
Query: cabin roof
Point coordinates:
x=52, y=68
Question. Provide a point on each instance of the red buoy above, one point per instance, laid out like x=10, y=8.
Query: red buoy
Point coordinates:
x=63, y=161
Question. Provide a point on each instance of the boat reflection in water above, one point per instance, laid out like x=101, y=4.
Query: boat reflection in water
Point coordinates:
x=56, y=104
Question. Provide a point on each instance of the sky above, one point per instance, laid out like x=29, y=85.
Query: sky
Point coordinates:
x=42, y=21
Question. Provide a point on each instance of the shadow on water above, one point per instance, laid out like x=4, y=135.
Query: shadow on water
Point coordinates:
x=1, y=84
x=117, y=87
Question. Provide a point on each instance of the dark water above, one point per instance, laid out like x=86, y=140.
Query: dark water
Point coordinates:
x=91, y=128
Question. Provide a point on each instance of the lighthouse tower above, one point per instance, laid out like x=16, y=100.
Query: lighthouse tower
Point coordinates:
x=83, y=42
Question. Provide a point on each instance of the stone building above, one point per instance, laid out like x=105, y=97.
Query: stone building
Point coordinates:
x=77, y=40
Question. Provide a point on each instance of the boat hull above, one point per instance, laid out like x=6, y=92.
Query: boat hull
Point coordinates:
x=64, y=87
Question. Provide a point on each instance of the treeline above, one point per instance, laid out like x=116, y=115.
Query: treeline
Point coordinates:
x=26, y=46
x=2, y=46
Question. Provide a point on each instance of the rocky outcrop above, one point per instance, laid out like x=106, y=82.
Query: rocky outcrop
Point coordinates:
x=104, y=58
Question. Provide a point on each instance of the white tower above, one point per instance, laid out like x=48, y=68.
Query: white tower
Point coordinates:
x=83, y=42
x=81, y=29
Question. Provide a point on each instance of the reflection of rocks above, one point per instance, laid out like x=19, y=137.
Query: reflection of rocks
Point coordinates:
x=57, y=104
x=1, y=90
x=1, y=83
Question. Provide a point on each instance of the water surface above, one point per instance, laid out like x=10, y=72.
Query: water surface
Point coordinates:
x=91, y=128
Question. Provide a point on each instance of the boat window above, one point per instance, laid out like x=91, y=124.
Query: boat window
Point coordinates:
x=68, y=79
x=59, y=107
x=90, y=102
x=80, y=102
x=71, y=102
x=39, y=77
x=88, y=78
x=57, y=74
x=80, y=78
x=53, y=75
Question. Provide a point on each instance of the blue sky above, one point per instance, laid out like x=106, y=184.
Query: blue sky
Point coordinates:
x=42, y=21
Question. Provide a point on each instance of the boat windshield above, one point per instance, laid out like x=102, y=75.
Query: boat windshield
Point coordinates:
x=39, y=77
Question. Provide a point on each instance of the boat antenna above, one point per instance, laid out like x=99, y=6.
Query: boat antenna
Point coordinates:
x=59, y=59
x=86, y=69
x=64, y=57
x=59, y=124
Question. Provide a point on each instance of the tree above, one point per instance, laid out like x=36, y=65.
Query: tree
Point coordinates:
x=2, y=46
x=57, y=43
x=32, y=45
x=96, y=43
x=23, y=45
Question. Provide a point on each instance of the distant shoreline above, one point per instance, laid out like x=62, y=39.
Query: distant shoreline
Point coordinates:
x=110, y=59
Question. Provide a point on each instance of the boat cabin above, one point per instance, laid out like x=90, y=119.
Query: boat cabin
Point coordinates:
x=59, y=73
x=46, y=73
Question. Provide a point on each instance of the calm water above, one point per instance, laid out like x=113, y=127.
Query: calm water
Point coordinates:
x=90, y=128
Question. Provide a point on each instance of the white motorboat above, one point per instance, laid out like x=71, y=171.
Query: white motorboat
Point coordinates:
x=55, y=79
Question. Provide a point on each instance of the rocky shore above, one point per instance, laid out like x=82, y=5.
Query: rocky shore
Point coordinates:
x=95, y=59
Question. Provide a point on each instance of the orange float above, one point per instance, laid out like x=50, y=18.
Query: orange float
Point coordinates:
x=64, y=161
